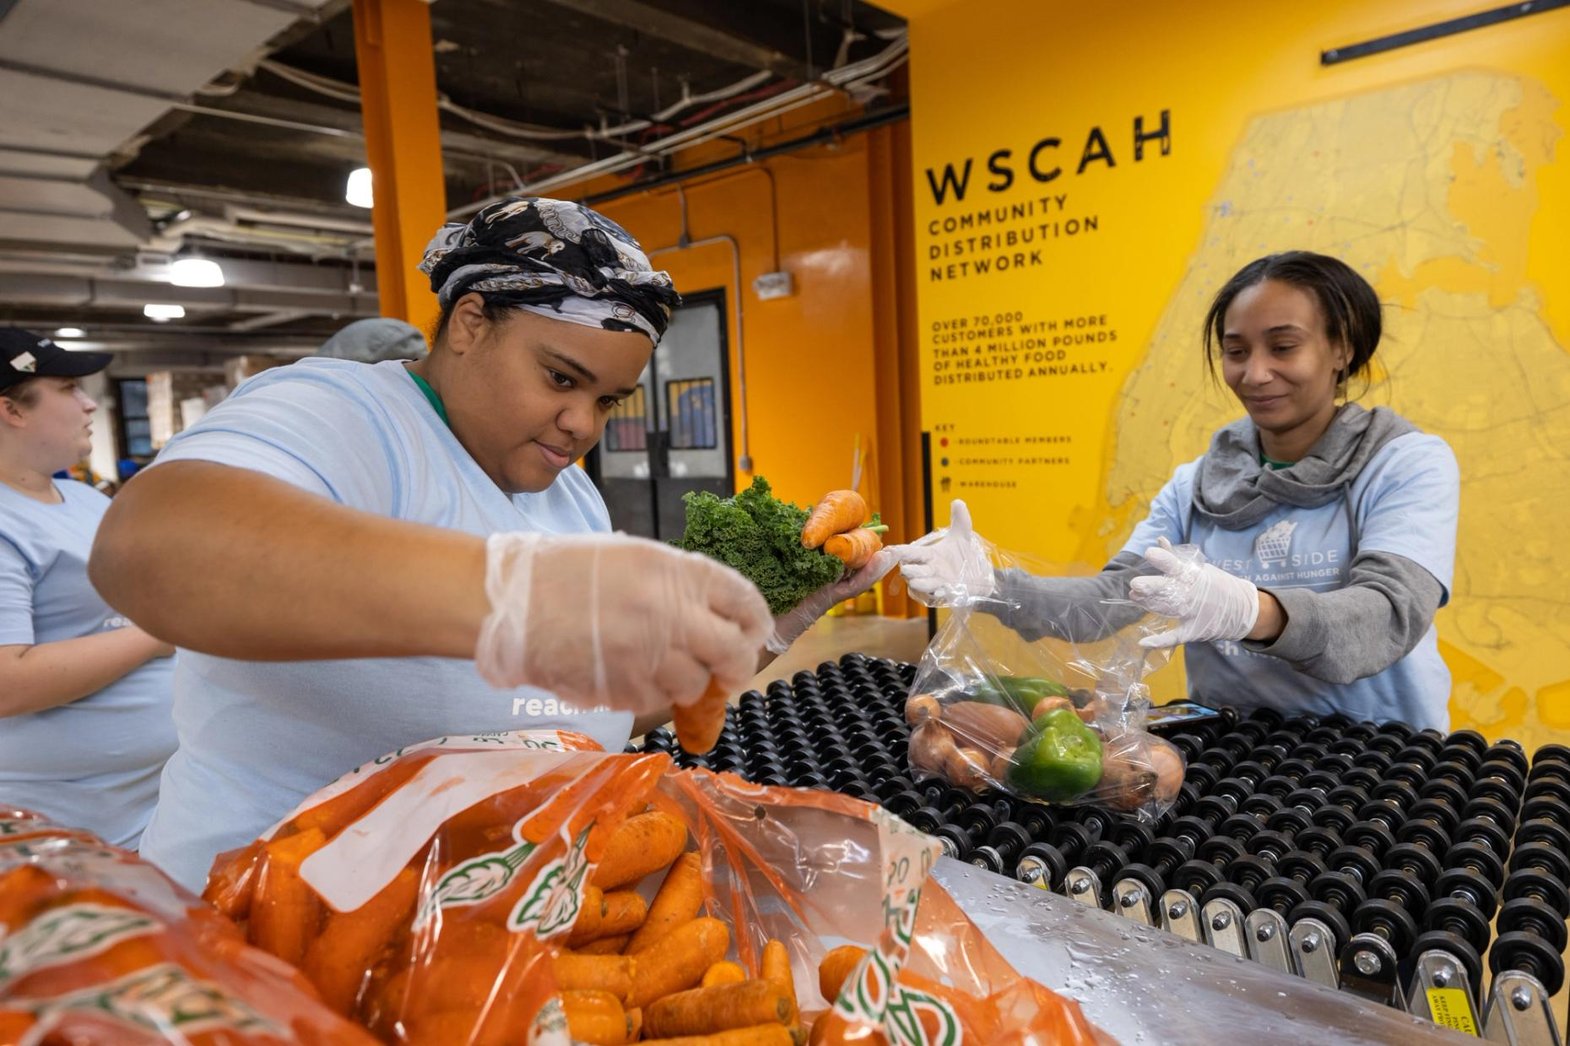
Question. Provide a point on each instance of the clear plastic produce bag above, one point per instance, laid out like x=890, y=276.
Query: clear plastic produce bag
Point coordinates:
x=1039, y=691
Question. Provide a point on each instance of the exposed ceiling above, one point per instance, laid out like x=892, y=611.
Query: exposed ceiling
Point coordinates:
x=133, y=132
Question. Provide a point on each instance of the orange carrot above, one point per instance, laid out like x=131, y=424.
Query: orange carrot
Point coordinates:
x=642, y=844
x=351, y=942
x=586, y=927
x=723, y=973
x=698, y=725
x=760, y=1035
x=232, y=883
x=854, y=548
x=679, y=899
x=605, y=945
x=634, y=1024
x=703, y=1011
x=606, y=973
x=836, y=966
x=596, y=1017
x=837, y=512
x=625, y=911
x=776, y=970
x=285, y=911
x=679, y=962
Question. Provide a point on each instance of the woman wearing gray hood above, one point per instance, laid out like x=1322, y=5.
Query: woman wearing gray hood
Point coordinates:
x=1328, y=530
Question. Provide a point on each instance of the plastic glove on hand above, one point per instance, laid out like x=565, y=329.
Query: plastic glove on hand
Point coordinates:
x=1209, y=603
x=788, y=627
x=950, y=566
x=608, y=619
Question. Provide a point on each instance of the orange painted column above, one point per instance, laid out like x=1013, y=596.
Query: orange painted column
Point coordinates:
x=392, y=45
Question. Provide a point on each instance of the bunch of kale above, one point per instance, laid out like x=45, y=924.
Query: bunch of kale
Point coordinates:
x=760, y=536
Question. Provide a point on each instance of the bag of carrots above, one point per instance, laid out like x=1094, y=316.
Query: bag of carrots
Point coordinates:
x=96, y=946
x=1034, y=685
x=526, y=888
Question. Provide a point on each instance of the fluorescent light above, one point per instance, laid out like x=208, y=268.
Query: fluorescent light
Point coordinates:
x=196, y=272
x=163, y=313
x=358, y=189
x=70, y=332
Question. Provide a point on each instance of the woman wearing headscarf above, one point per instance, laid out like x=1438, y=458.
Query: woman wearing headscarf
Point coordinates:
x=357, y=557
x=84, y=694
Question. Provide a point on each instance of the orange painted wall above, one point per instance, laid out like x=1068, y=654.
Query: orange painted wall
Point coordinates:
x=813, y=359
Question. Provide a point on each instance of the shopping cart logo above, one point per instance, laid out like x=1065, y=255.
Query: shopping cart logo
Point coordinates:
x=1275, y=544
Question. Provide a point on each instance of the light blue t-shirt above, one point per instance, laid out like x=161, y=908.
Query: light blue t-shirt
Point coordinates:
x=92, y=763
x=1404, y=502
x=257, y=737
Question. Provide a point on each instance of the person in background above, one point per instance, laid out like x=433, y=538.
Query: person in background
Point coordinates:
x=354, y=557
x=85, y=695
x=1329, y=530
x=375, y=340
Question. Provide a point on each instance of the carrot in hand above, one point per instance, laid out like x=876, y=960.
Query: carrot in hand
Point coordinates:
x=679, y=962
x=679, y=899
x=854, y=548
x=698, y=725
x=837, y=512
x=836, y=967
x=596, y=1017
x=723, y=973
x=642, y=844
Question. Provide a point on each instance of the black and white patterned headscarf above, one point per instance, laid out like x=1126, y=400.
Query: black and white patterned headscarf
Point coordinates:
x=555, y=258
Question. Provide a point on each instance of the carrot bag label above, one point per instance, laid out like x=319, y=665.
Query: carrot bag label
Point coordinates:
x=872, y=994
x=502, y=888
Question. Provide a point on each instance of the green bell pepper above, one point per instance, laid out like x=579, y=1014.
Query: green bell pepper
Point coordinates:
x=1058, y=758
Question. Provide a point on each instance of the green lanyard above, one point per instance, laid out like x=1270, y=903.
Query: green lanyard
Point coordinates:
x=430, y=394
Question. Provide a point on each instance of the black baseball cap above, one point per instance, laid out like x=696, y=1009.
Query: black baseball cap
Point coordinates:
x=24, y=355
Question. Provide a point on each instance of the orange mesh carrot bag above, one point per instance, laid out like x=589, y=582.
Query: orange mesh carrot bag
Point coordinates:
x=526, y=887
x=97, y=945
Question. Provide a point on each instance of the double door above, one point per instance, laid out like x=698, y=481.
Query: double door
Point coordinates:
x=673, y=434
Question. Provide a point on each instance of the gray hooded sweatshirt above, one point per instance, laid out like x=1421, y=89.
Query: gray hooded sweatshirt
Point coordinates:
x=1337, y=636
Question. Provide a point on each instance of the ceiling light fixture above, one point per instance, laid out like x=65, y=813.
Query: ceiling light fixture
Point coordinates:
x=70, y=332
x=163, y=313
x=358, y=189
x=196, y=272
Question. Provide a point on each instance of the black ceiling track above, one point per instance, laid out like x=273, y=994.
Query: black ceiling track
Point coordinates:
x=1408, y=37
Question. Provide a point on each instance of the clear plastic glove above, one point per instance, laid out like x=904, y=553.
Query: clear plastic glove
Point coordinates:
x=788, y=627
x=950, y=566
x=1208, y=602
x=616, y=620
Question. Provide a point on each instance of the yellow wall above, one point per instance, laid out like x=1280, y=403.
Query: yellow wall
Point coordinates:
x=1439, y=170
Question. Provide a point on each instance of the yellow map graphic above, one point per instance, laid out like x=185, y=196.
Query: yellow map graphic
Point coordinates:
x=1428, y=189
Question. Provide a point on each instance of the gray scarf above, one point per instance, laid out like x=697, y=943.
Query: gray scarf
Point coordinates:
x=1234, y=490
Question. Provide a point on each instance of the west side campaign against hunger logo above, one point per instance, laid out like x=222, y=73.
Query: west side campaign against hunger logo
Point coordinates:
x=1274, y=545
